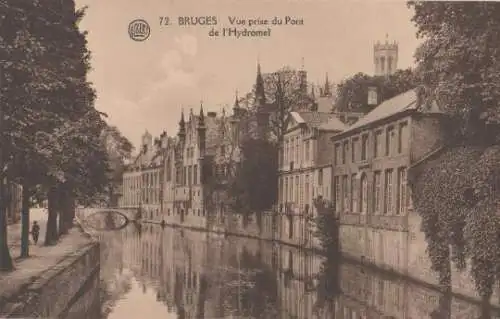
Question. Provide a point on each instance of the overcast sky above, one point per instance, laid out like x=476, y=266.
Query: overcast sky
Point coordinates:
x=144, y=85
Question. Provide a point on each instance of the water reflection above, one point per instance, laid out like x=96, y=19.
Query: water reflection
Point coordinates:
x=106, y=220
x=175, y=273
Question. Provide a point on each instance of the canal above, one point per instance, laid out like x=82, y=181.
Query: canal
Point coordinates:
x=150, y=272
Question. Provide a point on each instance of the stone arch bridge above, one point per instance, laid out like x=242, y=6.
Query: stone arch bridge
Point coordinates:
x=130, y=214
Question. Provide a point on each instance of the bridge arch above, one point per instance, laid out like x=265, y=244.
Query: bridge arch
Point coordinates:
x=107, y=211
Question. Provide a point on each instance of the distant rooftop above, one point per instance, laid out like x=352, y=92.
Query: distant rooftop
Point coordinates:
x=400, y=103
x=313, y=119
x=333, y=124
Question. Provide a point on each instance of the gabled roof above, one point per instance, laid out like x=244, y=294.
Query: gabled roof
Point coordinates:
x=314, y=119
x=321, y=120
x=398, y=104
x=333, y=124
x=296, y=117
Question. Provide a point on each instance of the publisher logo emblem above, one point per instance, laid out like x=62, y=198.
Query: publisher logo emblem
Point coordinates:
x=139, y=30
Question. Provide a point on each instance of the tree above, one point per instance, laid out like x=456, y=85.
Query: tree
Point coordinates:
x=75, y=100
x=25, y=100
x=286, y=91
x=276, y=93
x=455, y=193
x=458, y=62
x=254, y=188
x=49, y=102
x=119, y=149
x=352, y=93
x=327, y=232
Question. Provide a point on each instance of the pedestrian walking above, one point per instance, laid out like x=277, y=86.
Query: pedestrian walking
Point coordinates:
x=35, y=231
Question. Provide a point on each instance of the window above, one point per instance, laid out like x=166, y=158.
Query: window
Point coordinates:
x=297, y=149
x=388, y=191
x=337, y=154
x=285, y=190
x=195, y=174
x=301, y=190
x=403, y=137
x=338, y=206
x=190, y=175
x=354, y=194
x=296, y=199
x=290, y=197
x=402, y=187
x=222, y=151
x=376, y=192
x=388, y=141
x=285, y=157
x=345, y=146
x=320, y=177
x=307, y=149
x=377, y=144
x=169, y=169
x=184, y=176
x=306, y=188
x=345, y=190
x=364, y=194
x=409, y=201
x=292, y=150
x=355, y=142
x=364, y=147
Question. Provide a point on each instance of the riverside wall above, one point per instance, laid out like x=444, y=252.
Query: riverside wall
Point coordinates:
x=67, y=290
x=296, y=230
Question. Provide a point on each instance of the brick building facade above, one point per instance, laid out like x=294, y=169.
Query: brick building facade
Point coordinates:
x=304, y=171
x=372, y=196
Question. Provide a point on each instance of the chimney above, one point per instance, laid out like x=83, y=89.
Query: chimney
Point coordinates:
x=212, y=114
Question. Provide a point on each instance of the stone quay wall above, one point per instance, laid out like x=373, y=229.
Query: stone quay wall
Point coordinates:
x=400, y=252
x=58, y=290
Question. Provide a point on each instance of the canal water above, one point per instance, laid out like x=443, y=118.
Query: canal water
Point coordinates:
x=152, y=272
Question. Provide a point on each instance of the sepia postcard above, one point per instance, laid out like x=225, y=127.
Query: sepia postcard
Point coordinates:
x=291, y=159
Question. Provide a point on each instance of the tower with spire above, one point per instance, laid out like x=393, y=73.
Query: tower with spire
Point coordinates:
x=182, y=128
x=202, y=129
x=236, y=107
x=235, y=119
x=326, y=90
x=385, y=57
x=260, y=92
x=261, y=105
x=302, y=79
x=179, y=149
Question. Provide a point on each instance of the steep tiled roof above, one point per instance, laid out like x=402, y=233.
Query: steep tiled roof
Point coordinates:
x=333, y=124
x=315, y=119
x=297, y=118
x=398, y=104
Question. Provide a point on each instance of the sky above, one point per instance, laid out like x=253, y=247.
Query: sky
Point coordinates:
x=145, y=85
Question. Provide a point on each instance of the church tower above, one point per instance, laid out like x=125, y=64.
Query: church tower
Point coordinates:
x=385, y=57
x=261, y=106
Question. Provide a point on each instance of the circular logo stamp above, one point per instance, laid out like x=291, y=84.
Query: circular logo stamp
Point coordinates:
x=139, y=30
